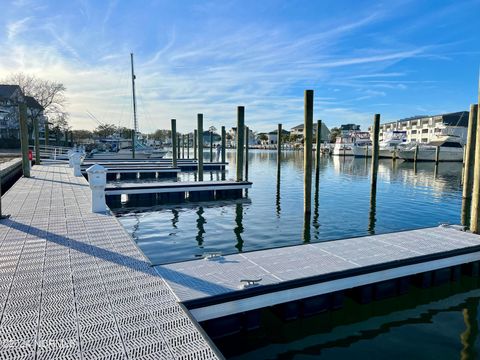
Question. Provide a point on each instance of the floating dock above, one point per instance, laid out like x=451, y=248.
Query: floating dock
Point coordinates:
x=134, y=172
x=183, y=165
x=316, y=276
x=176, y=192
x=75, y=286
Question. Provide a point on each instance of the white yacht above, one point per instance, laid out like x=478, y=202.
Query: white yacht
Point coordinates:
x=355, y=141
x=392, y=142
x=451, y=149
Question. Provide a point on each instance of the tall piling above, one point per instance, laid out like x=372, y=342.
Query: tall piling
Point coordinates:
x=46, y=133
x=183, y=146
x=376, y=129
x=178, y=146
x=174, y=143
x=224, y=144
x=211, y=146
x=474, y=218
x=437, y=154
x=317, y=148
x=200, y=146
x=415, y=154
x=133, y=143
x=246, y=152
x=240, y=141
x=470, y=153
x=37, y=141
x=24, y=139
x=279, y=144
x=195, y=136
x=188, y=146
x=307, y=155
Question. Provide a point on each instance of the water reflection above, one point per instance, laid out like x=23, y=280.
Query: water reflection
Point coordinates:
x=395, y=327
x=175, y=218
x=238, y=230
x=469, y=336
x=316, y=212
x=200, y=226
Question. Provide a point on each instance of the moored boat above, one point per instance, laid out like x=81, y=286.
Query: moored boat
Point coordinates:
x=450, y=149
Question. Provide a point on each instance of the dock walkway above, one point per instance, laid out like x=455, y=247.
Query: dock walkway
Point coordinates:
x=214, y=288
x=73, y=285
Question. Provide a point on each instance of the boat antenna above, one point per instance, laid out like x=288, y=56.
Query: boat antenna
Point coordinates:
x=135, y=125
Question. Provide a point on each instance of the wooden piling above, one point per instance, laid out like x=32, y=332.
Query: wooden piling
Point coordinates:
x=195, y=136
x=470, y=153
x=47, y=133
x=317, y=150
x=188, y=146
x=474, y=218
x=211, y=146
x=246, y=152
x=24, y=139
x=178, y=146
x=133, y=143
x=174, y=143
x=415, y=154
x=279, y=144
x=200, y=146
x=376, y=129
x=240, y=141
x=437, y=154
x=307, y=155
x=224, y=144
x=183, y=146
x=37, y=141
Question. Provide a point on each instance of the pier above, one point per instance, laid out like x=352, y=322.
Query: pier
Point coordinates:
x=373, y=266
x=183, y=165
x=74, y=285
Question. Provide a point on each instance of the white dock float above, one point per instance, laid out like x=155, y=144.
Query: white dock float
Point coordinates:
x=175, y=187
x=213, y=288
x=73, y=285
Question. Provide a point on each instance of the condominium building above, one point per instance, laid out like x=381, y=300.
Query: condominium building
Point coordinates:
x=424, y=128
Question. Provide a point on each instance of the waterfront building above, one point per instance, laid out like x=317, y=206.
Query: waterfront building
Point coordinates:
x=10, y=97
x=424, y=128
x=273, y=136
x=298, y=130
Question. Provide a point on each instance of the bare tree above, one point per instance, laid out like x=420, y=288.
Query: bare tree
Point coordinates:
x=49, y=94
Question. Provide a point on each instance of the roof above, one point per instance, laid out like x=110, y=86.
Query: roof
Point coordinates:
x=7, y=91
x=32, y=103
x=456, y=119
x=459, y=118
x=274, y=132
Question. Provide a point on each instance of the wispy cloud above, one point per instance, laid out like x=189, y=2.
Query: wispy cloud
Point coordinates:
x=211, y=65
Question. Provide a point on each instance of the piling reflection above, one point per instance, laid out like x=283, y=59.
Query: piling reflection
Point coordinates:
x=175, y=218
x=200, y=226
x=238, y=230
x=372, y=213
x=316, y=212
x=278, y=208
x=469, y=336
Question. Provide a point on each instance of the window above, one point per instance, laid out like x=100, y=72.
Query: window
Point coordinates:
x=414, y=132
x=424, y=140
x=414, y=123
x=424, y=131
x=452, y=144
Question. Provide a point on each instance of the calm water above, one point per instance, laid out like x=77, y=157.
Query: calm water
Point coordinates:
x=272, y=215
x=437, y=323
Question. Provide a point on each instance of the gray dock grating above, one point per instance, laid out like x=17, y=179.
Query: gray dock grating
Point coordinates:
x=74, y=286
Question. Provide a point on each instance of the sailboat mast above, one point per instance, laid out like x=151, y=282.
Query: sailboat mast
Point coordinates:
x=135, y=125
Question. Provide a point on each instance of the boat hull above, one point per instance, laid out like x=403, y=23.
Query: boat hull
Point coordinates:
x=446, y=154
x=343, y=150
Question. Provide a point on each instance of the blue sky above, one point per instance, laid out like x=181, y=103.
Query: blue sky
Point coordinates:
x=396, y=58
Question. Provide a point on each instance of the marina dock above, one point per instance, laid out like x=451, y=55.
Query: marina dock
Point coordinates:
x=183, y=165
x=74, y=285
x=376, y=266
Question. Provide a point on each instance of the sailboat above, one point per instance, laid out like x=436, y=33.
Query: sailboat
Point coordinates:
x=142, y=151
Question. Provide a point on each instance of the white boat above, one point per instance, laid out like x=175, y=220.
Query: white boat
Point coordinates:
x=386, y=148
x=451, y=149
x=355, y=141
